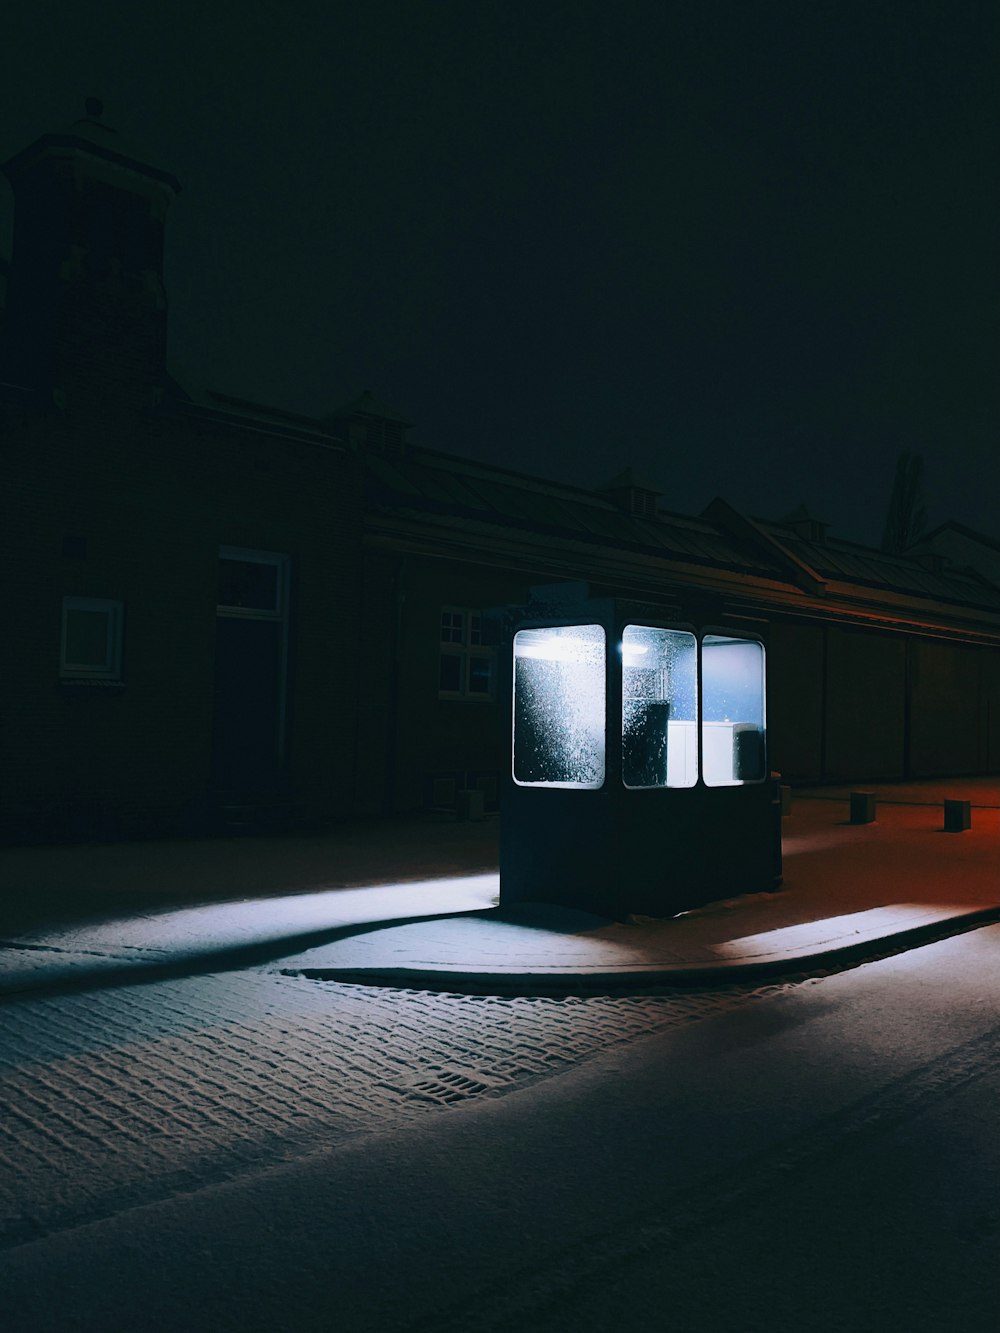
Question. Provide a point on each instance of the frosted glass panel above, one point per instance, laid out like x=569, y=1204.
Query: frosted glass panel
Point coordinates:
x=732, y=733
x=559, y=704
x=659, y=707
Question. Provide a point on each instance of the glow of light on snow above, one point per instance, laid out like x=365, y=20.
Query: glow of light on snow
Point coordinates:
x=826, y=932
x=189, y=931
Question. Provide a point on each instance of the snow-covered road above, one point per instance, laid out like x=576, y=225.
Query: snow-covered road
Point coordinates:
x=118, y=1097
x=824, y=1156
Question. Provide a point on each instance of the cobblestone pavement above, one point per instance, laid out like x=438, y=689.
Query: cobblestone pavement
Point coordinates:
x=114, y=1098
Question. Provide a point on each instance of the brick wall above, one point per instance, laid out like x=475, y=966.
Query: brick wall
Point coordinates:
x=153, y=497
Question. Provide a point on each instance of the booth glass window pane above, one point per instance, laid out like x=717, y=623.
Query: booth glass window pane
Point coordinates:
x=559, y=706
x=732, y=729
x=659, y=707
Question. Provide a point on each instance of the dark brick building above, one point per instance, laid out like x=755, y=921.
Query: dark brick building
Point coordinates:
x=182, y=578
x=221, y=614
x=879, y=666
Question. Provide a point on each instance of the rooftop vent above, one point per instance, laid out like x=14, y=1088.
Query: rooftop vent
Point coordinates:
x=632, y=495
x=805, y=525
x=368, y=424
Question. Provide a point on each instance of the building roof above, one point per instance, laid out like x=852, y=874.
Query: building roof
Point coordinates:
x=243, y=414
x=428, y=483
x=847, y=562
x=478, y=506
x=366, y=405
x=971, y=534
x=94, y=135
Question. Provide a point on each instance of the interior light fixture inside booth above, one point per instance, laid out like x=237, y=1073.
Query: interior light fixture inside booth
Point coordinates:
x=732, y=727
x=659, y=707
x=559, y=704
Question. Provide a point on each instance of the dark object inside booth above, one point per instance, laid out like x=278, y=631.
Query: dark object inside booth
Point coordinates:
x=639, y=780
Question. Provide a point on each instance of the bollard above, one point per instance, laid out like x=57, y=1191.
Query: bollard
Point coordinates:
x=957, y=816
x=469, y=805
x=862, y=807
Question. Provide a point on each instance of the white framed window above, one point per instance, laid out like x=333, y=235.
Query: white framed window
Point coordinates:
x=252, y=584
x=466, y=663
x=90, y=646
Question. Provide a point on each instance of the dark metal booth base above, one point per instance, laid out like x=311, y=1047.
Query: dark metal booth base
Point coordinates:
x=650, y=852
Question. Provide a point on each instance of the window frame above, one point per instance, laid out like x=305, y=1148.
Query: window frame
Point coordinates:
x=82, y=673
x=277, y=560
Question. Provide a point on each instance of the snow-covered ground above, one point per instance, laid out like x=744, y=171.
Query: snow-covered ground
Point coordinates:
x=824, y=1157
x=843, y=884
x=116, y=1097
x=251, y=1150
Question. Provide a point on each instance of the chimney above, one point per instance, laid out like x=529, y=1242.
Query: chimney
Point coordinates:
x=86, y=309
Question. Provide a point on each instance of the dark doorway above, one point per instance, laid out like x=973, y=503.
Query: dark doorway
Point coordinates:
x=248, y=725
x=246, y=750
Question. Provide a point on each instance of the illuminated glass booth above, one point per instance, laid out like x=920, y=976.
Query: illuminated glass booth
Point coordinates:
x=639, y=779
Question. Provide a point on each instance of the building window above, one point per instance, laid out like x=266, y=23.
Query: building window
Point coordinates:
x=251, y=583
x=91, y=639
x=465, y=664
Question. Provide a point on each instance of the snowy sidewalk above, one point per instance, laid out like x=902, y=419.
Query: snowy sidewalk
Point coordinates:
x=415, y=904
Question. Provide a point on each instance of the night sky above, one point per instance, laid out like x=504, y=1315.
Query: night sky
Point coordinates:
x=747, y=249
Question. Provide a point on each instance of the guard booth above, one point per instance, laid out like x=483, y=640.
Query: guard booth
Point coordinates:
x=638, y=779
